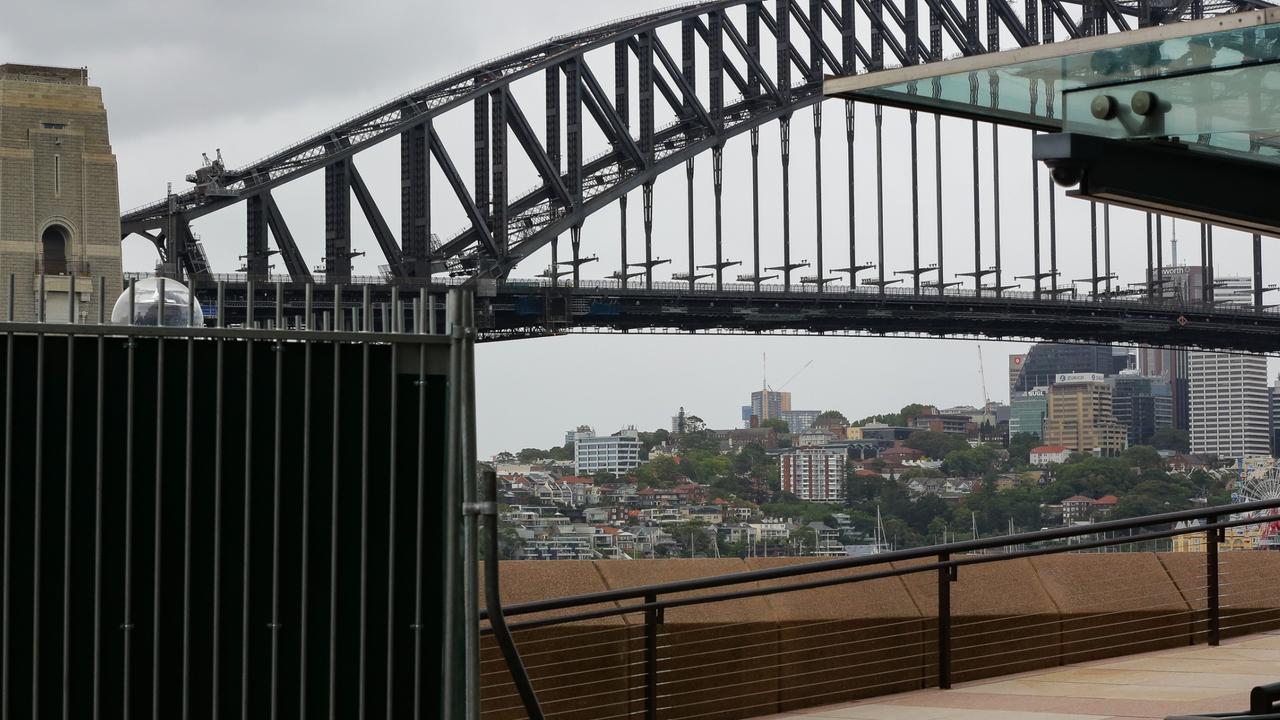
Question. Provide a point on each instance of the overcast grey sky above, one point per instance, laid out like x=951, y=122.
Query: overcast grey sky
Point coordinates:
x=250, y=78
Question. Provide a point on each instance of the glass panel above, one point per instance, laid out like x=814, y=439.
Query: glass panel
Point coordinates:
x=1030, y=93
x=1235, y=110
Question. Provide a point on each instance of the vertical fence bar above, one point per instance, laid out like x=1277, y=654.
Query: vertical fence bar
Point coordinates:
x=335, y=449
x=945, y=575
x=246, y=555
x=364, y=511
x=37, y=518
x=453, y=660
x=157, y=536
x=97, y=515
x=305, y=579
x=420, y=519
x=68, y=455
x=1211, y=570
x=651, y=659
x=8, y=510
x=216, y=676
x=391, y=522
x=186, y=517
x=470, y=489
x=278, y=347
x=126, y=626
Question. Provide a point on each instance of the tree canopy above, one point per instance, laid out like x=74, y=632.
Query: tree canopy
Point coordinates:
x=936, y=445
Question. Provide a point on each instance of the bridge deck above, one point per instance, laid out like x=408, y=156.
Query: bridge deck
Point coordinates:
x=1150, y=686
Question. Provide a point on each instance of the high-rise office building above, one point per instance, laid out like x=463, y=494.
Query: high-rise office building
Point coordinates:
x=1189, y=285
x=769, y=404
x=1015, y=369
x=1230, y=409
x=1141, y=403
x=1047, y=361
x=815, y=474
x=1080, y=417
x=1027, y=412
x=1272, y=408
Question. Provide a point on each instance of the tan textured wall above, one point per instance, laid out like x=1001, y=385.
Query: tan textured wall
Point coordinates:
x=64, y=175
x=788, y=651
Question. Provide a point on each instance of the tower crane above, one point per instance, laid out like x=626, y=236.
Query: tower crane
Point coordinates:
x=982, y=373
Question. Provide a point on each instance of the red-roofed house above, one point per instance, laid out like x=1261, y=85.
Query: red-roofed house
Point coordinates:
x=1076, y=508
x=1049, y=455
x=1105, y=504
x=898, y=456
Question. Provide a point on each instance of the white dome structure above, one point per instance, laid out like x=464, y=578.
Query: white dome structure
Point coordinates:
x=146, y=305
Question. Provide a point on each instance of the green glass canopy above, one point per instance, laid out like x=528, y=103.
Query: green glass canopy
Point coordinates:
x=1217, y=82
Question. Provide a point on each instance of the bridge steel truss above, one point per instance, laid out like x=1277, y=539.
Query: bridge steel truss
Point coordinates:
x=810, y=38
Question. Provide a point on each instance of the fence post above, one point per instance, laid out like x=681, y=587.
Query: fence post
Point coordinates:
x=1211, y=536
x=945, y=577
x=651, y=620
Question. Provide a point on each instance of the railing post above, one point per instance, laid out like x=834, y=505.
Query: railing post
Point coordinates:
x=651, y=620
x=1211, y=568
x=945, y=577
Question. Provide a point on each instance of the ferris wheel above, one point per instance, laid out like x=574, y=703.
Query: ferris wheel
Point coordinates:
x=1260, y=480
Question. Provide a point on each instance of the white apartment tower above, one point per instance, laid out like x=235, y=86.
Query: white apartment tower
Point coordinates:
x=814, y=474
x=1229, y=407
x=618, y=453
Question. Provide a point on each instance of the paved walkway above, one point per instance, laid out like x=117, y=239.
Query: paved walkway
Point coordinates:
x=1138, y=687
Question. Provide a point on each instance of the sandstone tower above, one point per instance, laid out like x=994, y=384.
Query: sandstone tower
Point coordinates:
x=59, y=202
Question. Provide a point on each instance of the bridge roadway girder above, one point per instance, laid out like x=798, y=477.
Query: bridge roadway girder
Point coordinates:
x=533, y=312
x=522, y=311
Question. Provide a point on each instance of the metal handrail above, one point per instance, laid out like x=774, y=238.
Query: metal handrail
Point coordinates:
x=947, y=560
x=958, y=548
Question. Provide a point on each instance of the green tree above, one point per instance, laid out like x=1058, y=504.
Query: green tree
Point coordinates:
x=1142, y=456
x=1020, y=445
x=660, y=472
x=936, y=445
x=504, y=458
x=650, y=439
x=778, y=424
x=529, y=455
x=1171, y=439
x=971, y=462
x=704, y=440
x=831, y=418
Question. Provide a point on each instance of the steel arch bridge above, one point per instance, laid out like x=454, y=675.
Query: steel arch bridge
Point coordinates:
x=743, y=90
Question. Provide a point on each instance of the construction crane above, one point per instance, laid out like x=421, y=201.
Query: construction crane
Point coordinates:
x=764, y=361
x=982, y=373
x=796, y=375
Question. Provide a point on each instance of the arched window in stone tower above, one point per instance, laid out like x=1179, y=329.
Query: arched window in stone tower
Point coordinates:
x=53, y=247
